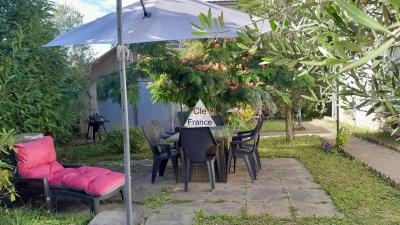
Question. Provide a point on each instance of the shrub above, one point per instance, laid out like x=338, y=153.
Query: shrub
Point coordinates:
x=343, y=137
x=114, y=140
x=7, y=142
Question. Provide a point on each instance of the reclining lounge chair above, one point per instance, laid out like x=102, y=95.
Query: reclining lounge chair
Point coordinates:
x=37, y=169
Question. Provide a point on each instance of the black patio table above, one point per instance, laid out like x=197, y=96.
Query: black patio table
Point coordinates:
x=222, y=135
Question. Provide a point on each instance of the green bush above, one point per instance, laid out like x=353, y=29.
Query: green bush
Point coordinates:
x=7, y=143
x=114, y=140
x=36, y=90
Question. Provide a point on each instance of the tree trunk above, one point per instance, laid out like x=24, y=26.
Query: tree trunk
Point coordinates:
x=289, y=124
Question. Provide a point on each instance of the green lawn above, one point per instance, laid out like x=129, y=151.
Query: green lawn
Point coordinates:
x=378, y=137
x=363, y=197
x=277, y=125
x=91, y=154
x=25, y=216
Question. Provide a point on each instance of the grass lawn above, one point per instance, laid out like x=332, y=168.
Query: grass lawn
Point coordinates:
x=91, y=154
x=25, y=216
x=379, y=137
x=277, y=125
x=363, y=197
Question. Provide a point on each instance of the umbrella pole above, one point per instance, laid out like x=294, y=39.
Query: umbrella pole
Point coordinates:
x=121, y=51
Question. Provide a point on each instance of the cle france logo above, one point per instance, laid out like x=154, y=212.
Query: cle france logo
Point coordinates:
x=200, y=117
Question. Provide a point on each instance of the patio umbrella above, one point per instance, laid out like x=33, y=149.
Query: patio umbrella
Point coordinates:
x=154, y=20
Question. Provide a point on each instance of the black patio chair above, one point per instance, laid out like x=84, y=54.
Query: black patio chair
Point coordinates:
x=162, y=152
x=182, y=117
x=244, y=134
x=244, y=146
x=195, y=143
x=160, y=131
x=218, y=120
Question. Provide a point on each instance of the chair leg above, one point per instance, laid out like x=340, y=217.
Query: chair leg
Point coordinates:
x=176, y=168
x=257, y=166
x=253, y=166
x=94, y=206
x=229, y=161
x=122, y=193
x=162, y=167
x=258, y=158
x=249, y=167
x=234, y=164
x=47, y=195
x=187, y=174
x=253, y=162
x=156, y=164
x=54, y=203
x=211, y=174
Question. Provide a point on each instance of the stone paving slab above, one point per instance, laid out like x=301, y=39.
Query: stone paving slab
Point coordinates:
x=275, y=208
x=116, y=218
x=170, y=219
x=310, y=209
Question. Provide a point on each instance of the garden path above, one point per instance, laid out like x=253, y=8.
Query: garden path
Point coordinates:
x=382, y=160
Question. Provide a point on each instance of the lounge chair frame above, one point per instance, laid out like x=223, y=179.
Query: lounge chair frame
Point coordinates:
x=40, y=186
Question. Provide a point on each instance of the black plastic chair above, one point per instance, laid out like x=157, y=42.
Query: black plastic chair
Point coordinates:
x=182, y=117
x=162, y=152
x=246, y=134
x=160, y=131
x=244, y=146
x=195, y=143
x=218, y=120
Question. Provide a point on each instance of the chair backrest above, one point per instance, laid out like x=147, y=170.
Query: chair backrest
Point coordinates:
x=37, y=158
x=182, y=117
x=218, y=120
x=196, y=142
x=260, y=124
x=152, y=137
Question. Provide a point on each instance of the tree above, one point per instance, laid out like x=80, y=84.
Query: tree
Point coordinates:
x=211, y=70
x=329, y=40
x=36, y=92
x=79, y=57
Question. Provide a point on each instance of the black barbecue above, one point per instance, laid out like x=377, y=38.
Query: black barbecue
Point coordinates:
x=95, y=121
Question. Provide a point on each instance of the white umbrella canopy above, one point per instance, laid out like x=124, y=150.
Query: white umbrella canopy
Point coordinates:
x=169, y=20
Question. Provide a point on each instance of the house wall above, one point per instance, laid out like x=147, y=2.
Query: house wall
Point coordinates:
x=146, y=111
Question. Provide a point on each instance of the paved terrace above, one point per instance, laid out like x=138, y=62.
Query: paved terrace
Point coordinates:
x=285, y=188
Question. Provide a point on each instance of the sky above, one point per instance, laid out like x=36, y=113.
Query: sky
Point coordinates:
x=92, y=9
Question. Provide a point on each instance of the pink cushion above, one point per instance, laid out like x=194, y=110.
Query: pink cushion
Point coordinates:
x=37, y=159
x=93, y=180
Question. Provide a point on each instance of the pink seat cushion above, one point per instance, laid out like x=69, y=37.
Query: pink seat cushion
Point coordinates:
x=92, y=180
x=37, y=159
